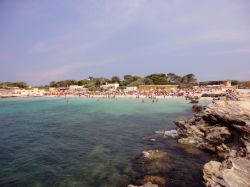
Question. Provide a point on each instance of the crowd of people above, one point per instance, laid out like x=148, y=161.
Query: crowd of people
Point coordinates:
x=153, y=95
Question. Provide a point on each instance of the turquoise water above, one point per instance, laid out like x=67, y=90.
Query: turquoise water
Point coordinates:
x=88, y=142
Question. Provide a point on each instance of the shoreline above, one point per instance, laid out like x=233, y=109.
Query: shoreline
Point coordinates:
x=223, y=129
x=105, y=97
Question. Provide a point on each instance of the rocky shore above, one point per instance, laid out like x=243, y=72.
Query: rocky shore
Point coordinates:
x=222, y=127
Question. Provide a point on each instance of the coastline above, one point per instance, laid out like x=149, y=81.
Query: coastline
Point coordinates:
x=223, y=128
x=105, y=97
x=219, y=107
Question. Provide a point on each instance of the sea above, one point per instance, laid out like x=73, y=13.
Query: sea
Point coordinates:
x=91, y=142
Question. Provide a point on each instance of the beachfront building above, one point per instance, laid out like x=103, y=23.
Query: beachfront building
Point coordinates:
x=157, y=87
x=57, y=91
x=52, y=89
x=244, y=85
x=77, y=89
x=226, y=83
x=216, y=85
x=17, y=92
x=110, y=87
x=130, y=89
x=33, y=92
x=10, y=91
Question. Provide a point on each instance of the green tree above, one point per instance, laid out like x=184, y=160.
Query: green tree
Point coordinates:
x=52, y=84
x=128, y=78
x=148, y=81
x=115, y=79
x=83, y=82
x=66, y=83
x=158, y=78
x=137, y=82
x=172, y=77
x=189, y=79
x=14, y=84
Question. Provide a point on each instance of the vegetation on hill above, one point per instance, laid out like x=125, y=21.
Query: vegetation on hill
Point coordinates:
x=94, y=83
x=13, y=84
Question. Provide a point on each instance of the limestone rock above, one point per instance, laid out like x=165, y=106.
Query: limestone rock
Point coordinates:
x=232, y=173
x=218, y=135
x=221, y=126
x=210, y=168
x=224, y=128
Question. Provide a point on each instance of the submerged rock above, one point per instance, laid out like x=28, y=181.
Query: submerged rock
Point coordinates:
x=197, y=108
x=154, y=161
x=148, y=184
x=155, y=179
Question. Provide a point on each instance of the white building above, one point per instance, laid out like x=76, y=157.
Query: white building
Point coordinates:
x=33, y=92
x=76, y=88
x=130, y=89
x=110, y=87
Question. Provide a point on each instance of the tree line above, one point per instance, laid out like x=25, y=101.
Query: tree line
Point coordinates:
x=94, y=83
x=13, y=84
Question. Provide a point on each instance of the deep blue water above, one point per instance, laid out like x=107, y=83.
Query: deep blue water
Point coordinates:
x=88, y=142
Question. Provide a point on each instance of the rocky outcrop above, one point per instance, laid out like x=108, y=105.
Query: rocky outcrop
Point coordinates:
x=223, y=128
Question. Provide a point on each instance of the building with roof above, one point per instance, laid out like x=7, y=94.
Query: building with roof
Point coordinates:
x=157, y=87
x=110, y=87
x=227, y=83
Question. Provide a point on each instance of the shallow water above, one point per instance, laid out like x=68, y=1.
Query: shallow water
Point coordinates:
x=89, y=142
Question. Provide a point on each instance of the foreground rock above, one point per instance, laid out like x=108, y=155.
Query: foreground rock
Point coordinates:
x=223, y=128
x=231, y=173
x=153, y=163
x=149, y=184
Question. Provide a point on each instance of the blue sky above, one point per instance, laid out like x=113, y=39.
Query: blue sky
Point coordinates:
x=47, y=40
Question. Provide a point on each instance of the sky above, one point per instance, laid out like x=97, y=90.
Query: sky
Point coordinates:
x=51, y=40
